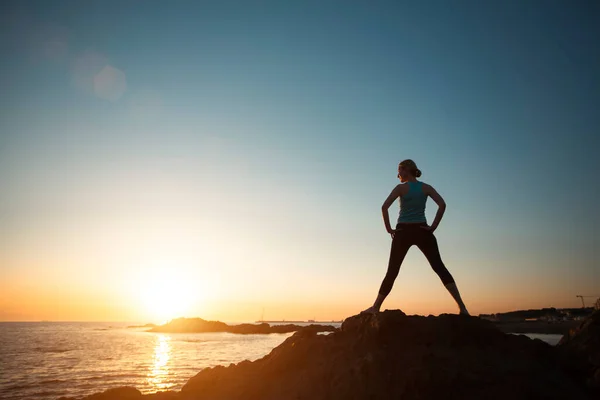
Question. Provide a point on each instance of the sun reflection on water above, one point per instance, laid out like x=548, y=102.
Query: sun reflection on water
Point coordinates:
x=158, y=375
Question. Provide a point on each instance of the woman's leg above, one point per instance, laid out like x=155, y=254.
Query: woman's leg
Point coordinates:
x=400, y=246
x=428, y=245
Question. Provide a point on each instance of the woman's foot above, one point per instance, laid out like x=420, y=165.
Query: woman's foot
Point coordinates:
x=370, y=310
x=463, y=311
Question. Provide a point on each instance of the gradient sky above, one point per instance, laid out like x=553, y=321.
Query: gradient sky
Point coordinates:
x=242, y=168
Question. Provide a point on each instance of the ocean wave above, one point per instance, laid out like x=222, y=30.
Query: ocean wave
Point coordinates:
x=48, y=393
x=17, y=386
x=112, y=376
x=53, y=381
x=51, y=350
x=93, y=378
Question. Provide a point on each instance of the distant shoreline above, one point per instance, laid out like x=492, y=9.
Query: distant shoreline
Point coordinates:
x=554, y=328
x=199, y=325
x=297, y=322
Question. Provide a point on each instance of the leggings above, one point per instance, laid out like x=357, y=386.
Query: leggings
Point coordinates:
x=406, y=235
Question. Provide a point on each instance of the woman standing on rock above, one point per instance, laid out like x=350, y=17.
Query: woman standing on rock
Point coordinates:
x=412, y=229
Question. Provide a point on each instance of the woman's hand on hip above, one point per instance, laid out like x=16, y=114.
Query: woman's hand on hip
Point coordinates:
x=428, y=228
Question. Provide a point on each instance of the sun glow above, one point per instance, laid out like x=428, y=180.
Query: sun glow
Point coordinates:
x=166, y=293
x=170, y=283
x=165, y=297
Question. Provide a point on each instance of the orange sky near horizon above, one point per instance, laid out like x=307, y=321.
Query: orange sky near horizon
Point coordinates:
x=28, y=300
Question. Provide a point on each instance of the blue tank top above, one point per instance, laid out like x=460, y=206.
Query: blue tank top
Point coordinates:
x=412, y=204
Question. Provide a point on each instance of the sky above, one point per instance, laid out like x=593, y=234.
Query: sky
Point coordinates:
x=228, y=160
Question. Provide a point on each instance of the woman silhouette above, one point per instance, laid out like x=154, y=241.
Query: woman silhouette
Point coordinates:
x=412, y=229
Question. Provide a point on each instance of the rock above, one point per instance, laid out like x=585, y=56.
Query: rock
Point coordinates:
x=580, y=349
x=142, y=326
x=391, y=355
x=168, y=395
x=121, y=393
x=128, y=393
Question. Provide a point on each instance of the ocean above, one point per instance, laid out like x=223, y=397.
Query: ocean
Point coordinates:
x=47, y=360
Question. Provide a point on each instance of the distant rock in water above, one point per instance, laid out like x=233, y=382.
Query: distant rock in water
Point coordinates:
x=142, y=326
x=581, y=349
x=198, y=325
x=394, y=356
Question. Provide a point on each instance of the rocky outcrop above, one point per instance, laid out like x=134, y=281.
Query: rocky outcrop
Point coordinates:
x=391, y=355
x=128, y=393
x=199, y=325
x=142, y=326
x=580, y=349
x=394, y=356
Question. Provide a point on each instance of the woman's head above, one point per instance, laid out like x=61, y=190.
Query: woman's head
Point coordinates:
x=408, y=169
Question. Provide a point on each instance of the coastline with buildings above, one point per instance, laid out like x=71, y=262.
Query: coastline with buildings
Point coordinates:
x=546, y=320
x=551, y=320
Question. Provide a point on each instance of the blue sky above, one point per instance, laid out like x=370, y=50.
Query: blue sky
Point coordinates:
x=272, y=130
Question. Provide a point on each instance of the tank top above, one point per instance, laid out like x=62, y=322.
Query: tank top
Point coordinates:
x=412, y=204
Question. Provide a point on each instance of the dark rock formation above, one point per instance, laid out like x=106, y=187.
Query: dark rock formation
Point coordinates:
x=391, y=355
x=129, y=393
x=394, y=356
x=580, y=349
x=142, y=326
x=197, y=325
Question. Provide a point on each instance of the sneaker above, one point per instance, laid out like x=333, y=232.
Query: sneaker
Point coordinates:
x=370, y=310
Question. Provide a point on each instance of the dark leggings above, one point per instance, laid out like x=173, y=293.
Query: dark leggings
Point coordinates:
x=407, y=235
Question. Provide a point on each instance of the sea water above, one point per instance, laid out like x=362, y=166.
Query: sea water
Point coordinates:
x=46, y=360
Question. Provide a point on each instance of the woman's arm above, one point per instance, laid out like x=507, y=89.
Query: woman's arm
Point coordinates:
x=431, y=192
x=396, y=192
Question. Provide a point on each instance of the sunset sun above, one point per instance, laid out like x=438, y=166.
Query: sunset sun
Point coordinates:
x=164, y=295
